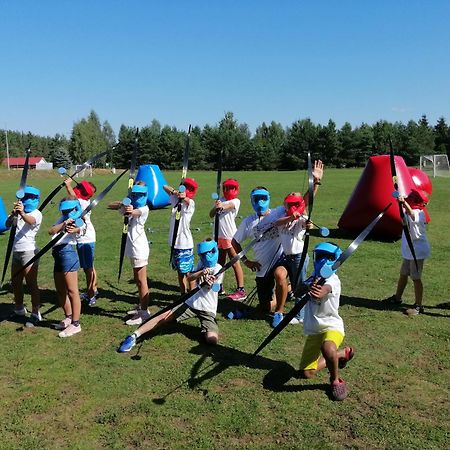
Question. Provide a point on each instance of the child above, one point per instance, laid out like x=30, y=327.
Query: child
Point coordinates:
x=66, y=266
x=137, y=248
x=183, y=251
x=227, y=208
x=29, y=220
x=86, y=242
x=323, y=327
x=413, y=206
x=203, y=304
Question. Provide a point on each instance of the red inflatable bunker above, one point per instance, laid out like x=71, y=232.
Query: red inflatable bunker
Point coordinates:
x=373, y=193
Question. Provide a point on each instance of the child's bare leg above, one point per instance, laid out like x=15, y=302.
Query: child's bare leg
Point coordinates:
x=311, y=373
x=191, y=284
x=17, y=286
x=401, y=285
x=140, y=277
x=71, y=279
x=222, y=256
x=418, y=292
x=155, y=322
x=237, y=268
x=91, y=281
x=61, y=292
x=280, y=288
x=329, y=351
x=182, y=282
x=31, y=274
x=211, y=337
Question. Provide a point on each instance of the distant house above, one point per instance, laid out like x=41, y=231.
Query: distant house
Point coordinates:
x=36, y=162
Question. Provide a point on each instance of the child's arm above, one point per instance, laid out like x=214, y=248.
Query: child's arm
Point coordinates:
x=221, y=206
x=18, y=210
x=287, y=219
x=205, y=273
x=406, y=207
x=69, y=188
x=318, y=292
x=317, y=175
x=252, y=265
x=55, y=229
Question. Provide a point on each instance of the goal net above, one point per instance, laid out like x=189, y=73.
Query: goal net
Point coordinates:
x=85, y=168
x=437, y=165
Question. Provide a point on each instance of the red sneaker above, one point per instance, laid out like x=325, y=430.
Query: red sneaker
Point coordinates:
x=238, y=295
x=339, y=390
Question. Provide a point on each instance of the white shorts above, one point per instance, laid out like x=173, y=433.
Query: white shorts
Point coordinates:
x=137, y=263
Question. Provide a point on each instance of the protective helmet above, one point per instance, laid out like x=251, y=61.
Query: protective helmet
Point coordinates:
x=138, y=196
x=417, y=199
x=191, y=187
x=230, y=189
x=70, y=209
x=260, y=198
x=208, y=252
x=325, y=255
x=84, y=190
x=30, y=199
x=294, y=203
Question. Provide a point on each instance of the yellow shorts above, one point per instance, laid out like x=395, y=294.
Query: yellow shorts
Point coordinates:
x=312, y=349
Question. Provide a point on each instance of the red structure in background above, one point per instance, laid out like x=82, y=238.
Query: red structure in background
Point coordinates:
x=372, y=194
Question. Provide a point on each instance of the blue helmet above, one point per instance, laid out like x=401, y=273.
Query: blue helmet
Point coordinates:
x=260, y=198
x=325, y=255
x=31, y=198
x=138, y=196
x=70, y=209
x=208, y=252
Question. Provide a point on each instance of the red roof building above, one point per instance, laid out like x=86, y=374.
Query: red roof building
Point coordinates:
x=18, y=163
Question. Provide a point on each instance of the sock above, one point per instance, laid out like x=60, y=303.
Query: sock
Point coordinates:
x=137, y=334
x=241, y=288
x=76, y=323
x=69, y=317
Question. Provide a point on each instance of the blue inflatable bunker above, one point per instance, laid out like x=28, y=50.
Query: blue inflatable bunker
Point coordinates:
x=152, y=176
x=3, y=217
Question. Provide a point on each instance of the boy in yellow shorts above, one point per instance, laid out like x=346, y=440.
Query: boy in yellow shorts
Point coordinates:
x=323, y=327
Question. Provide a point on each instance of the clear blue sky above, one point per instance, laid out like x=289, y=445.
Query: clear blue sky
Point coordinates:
x=191, y=61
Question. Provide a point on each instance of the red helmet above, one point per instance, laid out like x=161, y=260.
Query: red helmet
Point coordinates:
x=84, y=190
x=294, y=203
x=191, y=187
x=417, y=199
x=230, y=188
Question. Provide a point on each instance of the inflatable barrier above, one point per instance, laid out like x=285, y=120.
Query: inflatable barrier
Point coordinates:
x=372, y=193
x=3, y=217
x=152, y=176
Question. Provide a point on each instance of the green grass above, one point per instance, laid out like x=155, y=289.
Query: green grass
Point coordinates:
x=174, y=392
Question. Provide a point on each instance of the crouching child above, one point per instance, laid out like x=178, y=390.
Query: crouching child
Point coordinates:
x=202, y=304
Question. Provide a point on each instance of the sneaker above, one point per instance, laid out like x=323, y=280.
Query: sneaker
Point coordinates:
x=20, y=311
x=339, y=390
x=349, y=354
x=134, y=311
x=63, y=324
x=238, y=295
x=392, y=301
x=84, y=297
x=290, y=297
x=70, y=331
x=277, y=318
x=414, y=311
x=128, y=343
x=92, y=301
x=296, y=321
x=33, y=320
x=138, y=318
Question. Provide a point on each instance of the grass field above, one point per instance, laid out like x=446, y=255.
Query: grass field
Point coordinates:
x=174, y=392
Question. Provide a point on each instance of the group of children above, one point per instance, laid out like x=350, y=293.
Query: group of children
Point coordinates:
x=278, y=248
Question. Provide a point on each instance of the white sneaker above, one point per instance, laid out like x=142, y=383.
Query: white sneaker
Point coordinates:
x=295, y=321
x=134, y=311
x=21, y=311
x=138, y=318
x=63, y=324
x=70, y=331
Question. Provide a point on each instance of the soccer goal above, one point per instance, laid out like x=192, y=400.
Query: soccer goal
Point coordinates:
x=83, y=168
x=435, y=164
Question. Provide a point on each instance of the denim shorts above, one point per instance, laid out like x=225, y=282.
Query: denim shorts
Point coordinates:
x=291, y=263
x=183, y=260
x=86, y=255
x=66, y=258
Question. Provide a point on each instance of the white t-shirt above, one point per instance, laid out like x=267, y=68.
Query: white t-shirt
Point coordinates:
x=137, y=243
x=25, y=239
x=227, y=218
x=323, y=315
x=291, y=236
x=184, y=239
x=206, y=299
x=418, y=236
x=68, y=238
x=268, y=250
x=89, y=234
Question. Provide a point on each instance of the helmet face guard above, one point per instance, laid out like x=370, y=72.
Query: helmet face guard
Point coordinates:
x=84, y=190
x=31, y=199
x=260, y=199
x=230, y=189
x=417, y=199
x=191, y=187
x=138, y=196
x=70, y=209
x=294, y=203
x=209, y=253
x=325, y=254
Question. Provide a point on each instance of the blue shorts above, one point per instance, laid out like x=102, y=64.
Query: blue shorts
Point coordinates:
x=66, y=258
x=86, y=255
x=183, y=260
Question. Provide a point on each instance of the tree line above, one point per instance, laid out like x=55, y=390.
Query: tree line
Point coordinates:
x=271, y=147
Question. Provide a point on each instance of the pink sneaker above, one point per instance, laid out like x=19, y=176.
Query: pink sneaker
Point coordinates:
x=63, y=324
x=238, y=295
x=70, y=331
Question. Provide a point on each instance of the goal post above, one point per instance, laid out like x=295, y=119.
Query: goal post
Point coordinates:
x=84, y=167
x=437, y=165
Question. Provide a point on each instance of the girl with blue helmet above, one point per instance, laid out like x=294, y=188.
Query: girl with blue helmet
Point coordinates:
x=203, y=304
x=66, y=265
x=29, y=220
x=322, y=325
